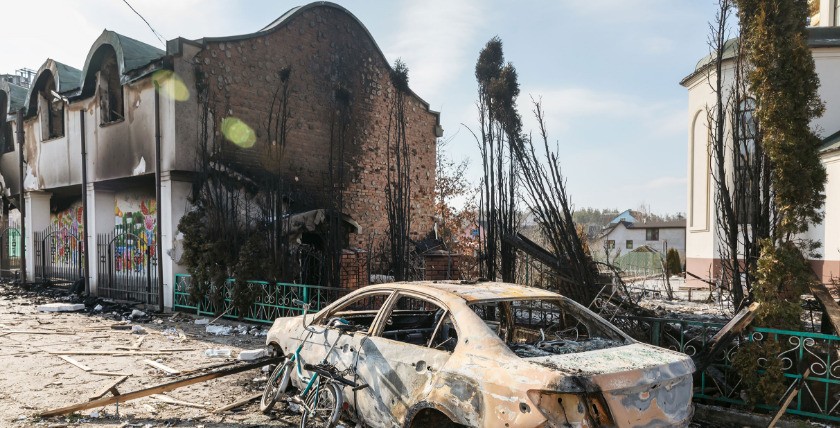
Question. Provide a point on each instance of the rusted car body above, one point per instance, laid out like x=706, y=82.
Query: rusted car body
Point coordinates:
x=491, y=355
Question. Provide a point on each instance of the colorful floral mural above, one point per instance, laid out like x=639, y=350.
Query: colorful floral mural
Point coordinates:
x=135, y=229
x=67, y=229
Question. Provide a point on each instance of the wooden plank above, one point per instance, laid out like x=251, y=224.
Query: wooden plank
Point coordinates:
x=110, y=373
x=169, y=400
x=157, y=389
x=795, y=390
x=737, y=324
x=830, y=306
x=111, y=386
x=162, y=367
x=117, y=352
x=239, y=403
x=75, y=363
x=64, y=332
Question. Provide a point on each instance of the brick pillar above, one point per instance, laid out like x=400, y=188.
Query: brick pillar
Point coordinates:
x=441, y=265
x=354, y=268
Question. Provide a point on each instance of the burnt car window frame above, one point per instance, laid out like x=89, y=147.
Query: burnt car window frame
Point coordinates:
x=385, y=313
x=575, y=309
x=331, y=310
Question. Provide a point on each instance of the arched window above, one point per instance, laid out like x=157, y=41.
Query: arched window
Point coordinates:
x=746, y=166
x=110, y=89
x=7, y=143
x=52, y=111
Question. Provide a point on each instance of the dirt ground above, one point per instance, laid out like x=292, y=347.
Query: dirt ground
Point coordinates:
x=35, y=380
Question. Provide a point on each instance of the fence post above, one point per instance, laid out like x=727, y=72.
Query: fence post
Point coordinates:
x=654, y=332
x=148, y=275
x=43, y=259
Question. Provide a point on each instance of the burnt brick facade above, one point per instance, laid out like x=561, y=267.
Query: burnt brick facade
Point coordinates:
x=339, y=112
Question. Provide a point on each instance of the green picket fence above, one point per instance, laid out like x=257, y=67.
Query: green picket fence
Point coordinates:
x=819, y=397
x=273, y=299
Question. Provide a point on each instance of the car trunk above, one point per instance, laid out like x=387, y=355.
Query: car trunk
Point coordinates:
x=641, y=385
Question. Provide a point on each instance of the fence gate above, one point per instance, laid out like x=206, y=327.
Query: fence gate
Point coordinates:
x=10, y=247
x=127, y=267
x=58, y=255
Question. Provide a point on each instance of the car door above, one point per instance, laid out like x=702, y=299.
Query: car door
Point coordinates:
x=362, y=311
x=397, y=361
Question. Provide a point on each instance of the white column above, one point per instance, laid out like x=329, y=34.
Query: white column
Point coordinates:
x=100, y=220
x=172, y=207
x=37, y=219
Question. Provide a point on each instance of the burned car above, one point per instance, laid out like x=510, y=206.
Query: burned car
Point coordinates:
x=489, y=355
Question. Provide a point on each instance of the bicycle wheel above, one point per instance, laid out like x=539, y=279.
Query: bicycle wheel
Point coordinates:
x=325, y=402
x=277, y=384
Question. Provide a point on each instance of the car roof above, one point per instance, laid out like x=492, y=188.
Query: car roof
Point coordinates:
x=471, y=291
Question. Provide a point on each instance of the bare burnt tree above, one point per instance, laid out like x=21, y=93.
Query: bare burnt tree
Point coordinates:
x=398, y=186
x=500, y=128
x=740, y=168
x=277, y=196
x=340, y=135
x=546, y=198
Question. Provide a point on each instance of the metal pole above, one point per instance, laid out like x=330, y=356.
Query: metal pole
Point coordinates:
x=158, y=219
x=21, y=202
x=85, y=246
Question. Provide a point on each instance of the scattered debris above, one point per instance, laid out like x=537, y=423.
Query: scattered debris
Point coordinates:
x=202, y=321
x=61, y=307
x=725, y=335
x=252, y=354
x=169, y=400
x=239, y=403
x=792, y=392
x=137, y=329
x=222, y=353
x=111, y=387
x=157, y=389
x=97, y=308
x=75, y=363
x=168, y=370
x=223, y=330
x=137, y=314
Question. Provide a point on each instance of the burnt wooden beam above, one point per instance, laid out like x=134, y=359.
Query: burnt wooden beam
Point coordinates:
x=531, y=248
x=830, y=307
x=736, y=325
x=157, y=389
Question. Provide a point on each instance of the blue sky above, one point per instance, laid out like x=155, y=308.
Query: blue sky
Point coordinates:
x=607, y=70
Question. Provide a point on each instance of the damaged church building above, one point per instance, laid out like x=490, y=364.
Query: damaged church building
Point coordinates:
x=280, y=143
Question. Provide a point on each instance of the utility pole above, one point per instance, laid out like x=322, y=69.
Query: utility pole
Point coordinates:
x=21, y=202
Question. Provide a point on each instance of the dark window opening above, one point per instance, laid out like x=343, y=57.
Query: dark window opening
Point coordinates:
x=110, y=90
x=537, y=328
x=610, y=244
x=629, y=244
x=7, y=143
x=652, y=234
x=360, y=312
x=52, y=112
x=6, y=139
x=422, y=323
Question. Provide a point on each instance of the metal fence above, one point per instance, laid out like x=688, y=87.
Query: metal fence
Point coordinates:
x=10, y=248
x=127, y=267
x=273, y=300
x=819, y=397
x=59, y=255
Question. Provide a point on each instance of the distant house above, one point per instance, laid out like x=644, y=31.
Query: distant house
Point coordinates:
x=624, y=236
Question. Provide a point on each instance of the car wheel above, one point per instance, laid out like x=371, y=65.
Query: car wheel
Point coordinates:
x=432, y=418
x=276, y=385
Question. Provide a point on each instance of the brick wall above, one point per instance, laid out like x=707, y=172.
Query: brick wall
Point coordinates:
x=324, y=47
x=440, y=265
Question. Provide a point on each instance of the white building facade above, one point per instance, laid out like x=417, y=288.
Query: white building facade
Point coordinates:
x=702, y=254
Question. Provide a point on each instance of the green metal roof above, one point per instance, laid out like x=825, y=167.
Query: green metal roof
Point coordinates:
x=830, y=143
x=16, y=96
x=818, y=37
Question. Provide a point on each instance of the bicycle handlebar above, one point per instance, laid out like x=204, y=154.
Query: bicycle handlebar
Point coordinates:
x=332, y=373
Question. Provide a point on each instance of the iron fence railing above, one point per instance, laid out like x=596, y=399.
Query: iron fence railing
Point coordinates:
x=273, y=300
x=819, y=397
